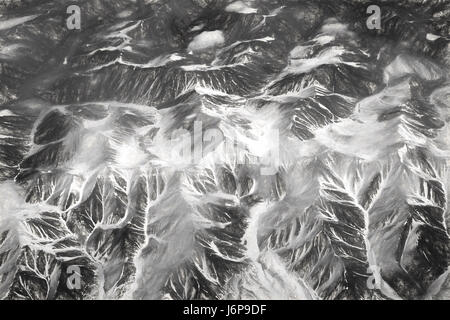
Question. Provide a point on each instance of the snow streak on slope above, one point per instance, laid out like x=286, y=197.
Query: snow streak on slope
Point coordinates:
x=224, y=150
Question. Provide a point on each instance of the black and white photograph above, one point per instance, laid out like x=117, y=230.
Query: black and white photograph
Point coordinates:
x=224, y=150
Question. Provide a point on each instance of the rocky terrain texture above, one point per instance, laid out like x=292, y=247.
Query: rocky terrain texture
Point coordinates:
x=357, y=208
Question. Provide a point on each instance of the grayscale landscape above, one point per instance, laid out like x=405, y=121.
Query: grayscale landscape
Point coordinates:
x=224, y=150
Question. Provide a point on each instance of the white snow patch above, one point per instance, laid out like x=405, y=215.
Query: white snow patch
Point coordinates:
x=10, y=23
x=197, y=27
x=240, y=7
x=335, y=28
x=331, y=55
x=432, y=37
x=124, y=14
x=6, y=113
x=206, y=40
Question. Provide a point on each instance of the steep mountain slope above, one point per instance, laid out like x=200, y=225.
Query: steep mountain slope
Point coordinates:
x=203, y=149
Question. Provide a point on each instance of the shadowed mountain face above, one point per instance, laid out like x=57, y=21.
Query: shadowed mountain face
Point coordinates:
x=330, y=179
